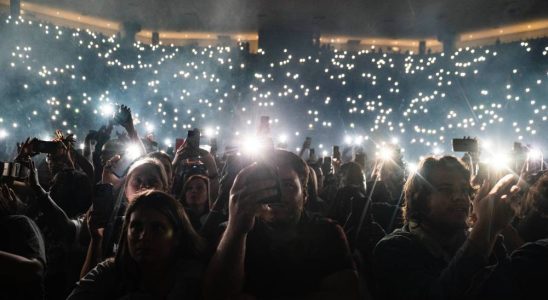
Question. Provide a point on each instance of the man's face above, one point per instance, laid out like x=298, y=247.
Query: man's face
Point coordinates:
x=291, y=206
x=449, y=200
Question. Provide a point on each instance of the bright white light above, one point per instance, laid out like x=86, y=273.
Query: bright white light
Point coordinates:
x=395, y=140
x=499, y=161
x=252, y=145
x=437, y=151
x=209, y=132
x=325, y=153
x=348, y=140
x=149, y=127
x=386, y=153
x=133, y=151
x=358, y=140
x=107, y=110
x=486, y=144
x=412, y=168
x=3, y=133
x=167, y=142
x=82, y=145
x=534, y=154
x=282, y=138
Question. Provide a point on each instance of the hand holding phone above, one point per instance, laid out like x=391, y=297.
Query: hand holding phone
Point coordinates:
x=264, y=172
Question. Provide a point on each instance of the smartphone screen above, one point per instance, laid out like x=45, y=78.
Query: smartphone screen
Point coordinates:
x=193, y=138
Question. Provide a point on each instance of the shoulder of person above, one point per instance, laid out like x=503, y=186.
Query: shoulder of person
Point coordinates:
x=400, y=240
x=19, y=221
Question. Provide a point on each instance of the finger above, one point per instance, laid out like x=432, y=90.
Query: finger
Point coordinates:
x=12, y=194
x=5, y=193
x=504, y=184
x=256, y=186
x=484, y=189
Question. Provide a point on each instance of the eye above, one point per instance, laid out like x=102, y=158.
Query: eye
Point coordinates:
x=135, y=227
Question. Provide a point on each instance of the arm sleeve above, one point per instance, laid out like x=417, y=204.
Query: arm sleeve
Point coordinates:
x=26, y=239
x=97, y=284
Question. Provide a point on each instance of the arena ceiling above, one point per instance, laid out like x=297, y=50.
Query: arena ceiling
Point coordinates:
x=386, y=18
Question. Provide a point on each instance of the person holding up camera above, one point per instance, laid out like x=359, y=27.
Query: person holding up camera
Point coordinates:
x=436, y=255
x=271, y=247
x=190, y=158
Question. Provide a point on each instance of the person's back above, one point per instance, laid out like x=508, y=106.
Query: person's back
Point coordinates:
x=21, y=241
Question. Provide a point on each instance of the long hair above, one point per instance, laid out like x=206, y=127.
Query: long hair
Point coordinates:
x=188, y=246
x=156, y=164
x=418, y=186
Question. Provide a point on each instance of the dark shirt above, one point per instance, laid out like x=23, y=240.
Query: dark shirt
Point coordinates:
x=533, y=227
x=296, y=267
x=19, y=235
x=523, y=276
x=106, y=281
x=411, y=265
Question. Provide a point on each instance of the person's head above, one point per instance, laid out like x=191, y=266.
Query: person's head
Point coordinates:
x=438, y=194
x=351, y=174
x=156, y=231
x=165, y=159
x=110, y=149
x=196, y=193
x=61, y=158
x=293, y=174
x=536, y=199
x=144, y=174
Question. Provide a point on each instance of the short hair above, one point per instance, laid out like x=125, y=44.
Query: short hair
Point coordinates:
x=189, y=243
x=418, y=187
x=297, y=164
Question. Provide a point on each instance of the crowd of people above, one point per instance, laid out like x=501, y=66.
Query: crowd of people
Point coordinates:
x=116, y=218
x=71, y=79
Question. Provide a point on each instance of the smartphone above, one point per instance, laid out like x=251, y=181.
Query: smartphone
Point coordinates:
x=465, y=145
x=121, y=167
x=336, y=153
x=45, y=146
x=267, y=172
x=193, y=138
x=307, y=142
x=264, y=126
x=103, y=200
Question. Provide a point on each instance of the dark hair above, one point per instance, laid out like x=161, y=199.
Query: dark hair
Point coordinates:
x=536, y=198
x=189, y=245
x=418, y=187
x=351, y=174
x=297, y=164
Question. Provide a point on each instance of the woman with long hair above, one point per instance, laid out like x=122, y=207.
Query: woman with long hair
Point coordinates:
x=156, y=257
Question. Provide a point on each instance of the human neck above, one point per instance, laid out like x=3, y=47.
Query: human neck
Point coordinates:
x=198, y=209
x=156, y=278
x=448, y=238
